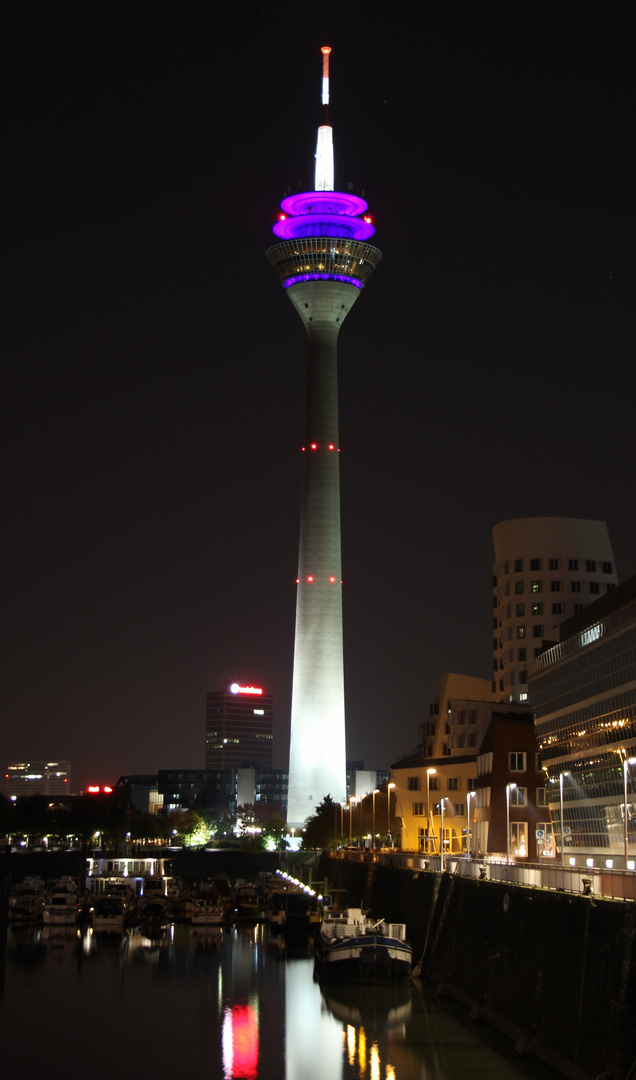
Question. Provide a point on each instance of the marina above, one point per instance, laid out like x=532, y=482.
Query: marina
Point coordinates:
x=237, y=1003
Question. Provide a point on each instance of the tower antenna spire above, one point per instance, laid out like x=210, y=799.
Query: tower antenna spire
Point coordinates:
x=324, y=148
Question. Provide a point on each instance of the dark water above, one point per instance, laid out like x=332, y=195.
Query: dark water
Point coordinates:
x=227, y=1005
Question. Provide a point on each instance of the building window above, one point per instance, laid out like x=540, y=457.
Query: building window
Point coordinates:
x=541, y=797
x=519, y=588
x=460, y=809
x=557, y=609
x=461, y=739
x=472, y=739
x=537, y=631
x=413, y=783
x=590, y=566
x=518, y=566
x=595, y=588
x=536, y=652
x=554, y=564
x=536, y=586
x=433, y=783
x=537, y=609
x=470, y=783
x=452, y=783
x=519, y=838
x=522, y=654
x=520, y=609
x=523, y=677
x=517, y=761
x=607, y=567
x=518, y=796
x=573, y=564
x=472, y=716
x=575, y=586
x=556, y=585
x=535, y=564
x=521, y=631
x=418, y=809
x=578, y=607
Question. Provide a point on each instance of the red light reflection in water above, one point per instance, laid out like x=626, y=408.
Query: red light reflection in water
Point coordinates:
x=240, y=1042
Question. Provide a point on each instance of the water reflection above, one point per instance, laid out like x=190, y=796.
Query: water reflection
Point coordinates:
x=223, y=1004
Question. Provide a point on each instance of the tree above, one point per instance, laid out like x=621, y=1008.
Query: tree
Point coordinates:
x=322, y=827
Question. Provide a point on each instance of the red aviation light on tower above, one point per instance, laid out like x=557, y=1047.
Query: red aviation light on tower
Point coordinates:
x=236, y=689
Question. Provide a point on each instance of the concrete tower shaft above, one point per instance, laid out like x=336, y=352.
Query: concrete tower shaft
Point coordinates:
x=317, y=754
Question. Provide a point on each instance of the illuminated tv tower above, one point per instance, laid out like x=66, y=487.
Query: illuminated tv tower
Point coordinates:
x=323, y=261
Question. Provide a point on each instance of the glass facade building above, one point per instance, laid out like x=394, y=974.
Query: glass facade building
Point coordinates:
x=583, y=692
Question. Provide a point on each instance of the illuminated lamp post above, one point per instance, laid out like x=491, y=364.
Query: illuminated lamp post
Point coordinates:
x=429, y=773
x=509, y=788
x=470, y=795
x=441, y=836
x=342, y=808
x=627, y=761
x=561, y=775
x=352, y=800
x=389, y=788
x=323, y=260
x=375, y=792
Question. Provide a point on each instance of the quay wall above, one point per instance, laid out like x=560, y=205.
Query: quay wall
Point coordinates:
x=555, y=972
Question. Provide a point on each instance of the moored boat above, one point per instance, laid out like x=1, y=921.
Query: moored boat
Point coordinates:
x=352, y=947
x=109, y=915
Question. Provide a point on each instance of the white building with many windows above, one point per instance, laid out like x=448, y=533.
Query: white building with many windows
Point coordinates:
x=545, y=570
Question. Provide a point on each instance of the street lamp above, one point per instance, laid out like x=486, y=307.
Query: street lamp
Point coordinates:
x=352, y=800
x=561, y=775
x=441, y=836
x=376, y=791
x=470, y=795
x=388, y=811
x=627, y=761
x=509, y=788
x=342, y=806
x=429, y=773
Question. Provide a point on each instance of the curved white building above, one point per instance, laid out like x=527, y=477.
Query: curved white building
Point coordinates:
x=545, y=570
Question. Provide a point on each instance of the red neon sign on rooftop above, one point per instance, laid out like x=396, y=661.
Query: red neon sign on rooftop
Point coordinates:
x=236, y=689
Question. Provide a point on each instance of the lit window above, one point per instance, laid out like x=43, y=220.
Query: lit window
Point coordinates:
x=521, y=631
x=536, y=586
x=518, y=796
x=537, y=609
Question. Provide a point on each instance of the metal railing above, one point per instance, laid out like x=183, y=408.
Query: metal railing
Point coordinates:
x=593, y=881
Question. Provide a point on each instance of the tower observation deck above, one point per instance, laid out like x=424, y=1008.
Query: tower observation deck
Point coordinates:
x=323, y=260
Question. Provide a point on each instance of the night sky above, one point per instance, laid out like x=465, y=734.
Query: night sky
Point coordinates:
x=153, y=391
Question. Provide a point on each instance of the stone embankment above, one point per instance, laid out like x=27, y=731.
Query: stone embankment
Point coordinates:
x=555, y=972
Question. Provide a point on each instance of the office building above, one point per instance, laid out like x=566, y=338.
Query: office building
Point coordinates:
x=37, y=778
x=323, y=261
x=545, y=570
x=239, y=722
x=583, y=691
